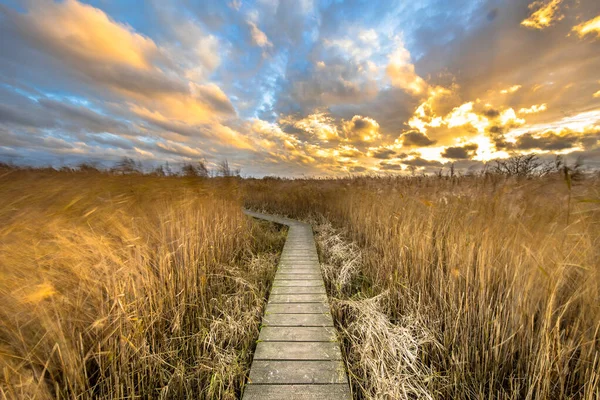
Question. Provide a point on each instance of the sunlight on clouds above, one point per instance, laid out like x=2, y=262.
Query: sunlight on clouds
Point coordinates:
x=319, y=124
x=579, y=123
x=80, y=31
x=534, y=109
x=508, y=117
x=589, y=27
x=511, y=89
x=204, y=103
x=402, y=73
x=259, y=38
x=361, y=129
x=486, y=149
x=464, y=115
x=547, y=13
x=425, y=116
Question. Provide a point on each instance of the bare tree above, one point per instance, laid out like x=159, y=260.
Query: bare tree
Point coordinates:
x=522, y=165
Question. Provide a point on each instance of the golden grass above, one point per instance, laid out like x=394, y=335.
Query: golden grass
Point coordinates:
x=471, y=287
x=128, y=286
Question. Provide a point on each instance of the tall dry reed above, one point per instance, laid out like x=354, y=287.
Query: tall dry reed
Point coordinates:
x=470, y=287
x=128, y=286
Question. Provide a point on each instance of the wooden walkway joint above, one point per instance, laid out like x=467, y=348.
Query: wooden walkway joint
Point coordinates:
x=297, y=355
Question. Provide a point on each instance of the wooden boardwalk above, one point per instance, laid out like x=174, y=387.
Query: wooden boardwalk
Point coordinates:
x=297, y=355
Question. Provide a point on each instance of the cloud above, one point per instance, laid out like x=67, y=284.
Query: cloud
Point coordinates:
x=546, y=14
x=361, y=129
x=416, y=139
x=319, y=125
x=390, y=166
x=259, y=38
x=548, y=141
x=589, y=27
x=79, y=32
x=343, y=87
x=402, y=73
x=511, y=89
x=134, y=67
x=460, y=152
x=383, y=153
x=420, y=162
x=533, y=109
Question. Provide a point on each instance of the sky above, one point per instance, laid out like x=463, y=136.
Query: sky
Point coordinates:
x=299, y=87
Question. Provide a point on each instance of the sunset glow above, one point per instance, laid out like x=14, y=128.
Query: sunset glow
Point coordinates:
x=294, y=88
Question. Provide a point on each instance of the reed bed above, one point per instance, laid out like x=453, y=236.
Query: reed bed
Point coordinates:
x=458, y=288
x=128, y=286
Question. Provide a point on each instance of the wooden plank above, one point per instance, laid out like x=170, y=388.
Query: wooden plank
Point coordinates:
x=297, y=320
x=288, y=270
x=291, y=264
x=297, y=372
x=297, y=289
x=297, y=392
x=291, y=282
x=297, y=308
x=298, y=298
x=284, y=276
x=297, y=351
x=297, y=334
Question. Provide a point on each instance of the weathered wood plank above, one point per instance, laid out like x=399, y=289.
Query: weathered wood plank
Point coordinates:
x=291, y=282
x=297, y=308
x=288, y=270
x=298, y=298
x=297, y=392
x=297, y=351
x=297, y=320
x=297, y=334
x=287, y=275
x=297, y=289
x=297, y=372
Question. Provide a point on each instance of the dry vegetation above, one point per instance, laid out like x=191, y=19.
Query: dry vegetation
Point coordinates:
x=123, y=285
x=128, y=286
x=464, y=287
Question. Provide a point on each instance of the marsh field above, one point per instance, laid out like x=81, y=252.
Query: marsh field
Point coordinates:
x=146, y=286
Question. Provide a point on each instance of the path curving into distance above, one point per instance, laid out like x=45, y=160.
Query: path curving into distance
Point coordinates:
x=297, y=356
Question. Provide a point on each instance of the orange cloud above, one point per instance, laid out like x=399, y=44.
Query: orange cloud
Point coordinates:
x=511, y=89
x=402, y=73
x=361, y=129
x=319, y=124
x=589, y=27
x=81, y=32
x=533, y=109
x=547, y=13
